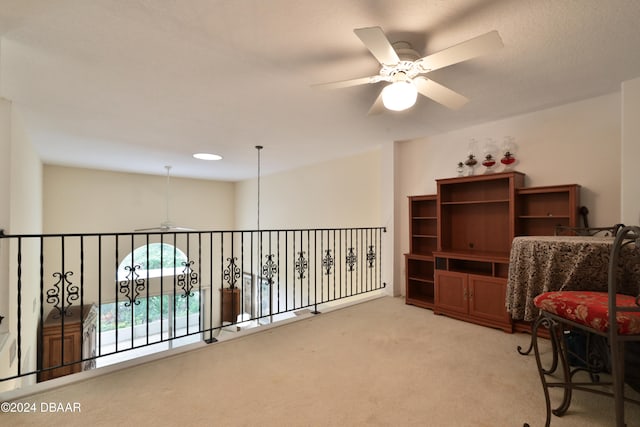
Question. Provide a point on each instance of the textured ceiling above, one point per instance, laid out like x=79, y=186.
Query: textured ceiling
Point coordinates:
x=135, y=85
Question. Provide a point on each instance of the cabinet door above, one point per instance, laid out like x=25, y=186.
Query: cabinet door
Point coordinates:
x=487, y=297
x=53, y=350
x=451, y=291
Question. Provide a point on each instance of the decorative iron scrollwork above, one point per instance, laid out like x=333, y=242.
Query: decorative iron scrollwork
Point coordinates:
x=371, y=256
x=231, y=274
x=301, y=265
x=132, y=286
x=63, y=285
x=269, y=268
x=327, y=262
x=351, y=259
x=187, y=279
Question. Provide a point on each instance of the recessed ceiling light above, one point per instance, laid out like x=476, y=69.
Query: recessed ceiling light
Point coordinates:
x=207, y=156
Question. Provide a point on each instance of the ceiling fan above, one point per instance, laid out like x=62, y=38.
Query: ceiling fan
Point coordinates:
x=404, y=69
x=166, y=225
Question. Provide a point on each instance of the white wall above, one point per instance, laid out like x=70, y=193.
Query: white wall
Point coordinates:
x=26, y=181
x=340, y=193
x=84, y=200
x=577, y=143
x=21, y=188
x=5, y=206
x=630, y=152
x=5, y=161
x=388, y=216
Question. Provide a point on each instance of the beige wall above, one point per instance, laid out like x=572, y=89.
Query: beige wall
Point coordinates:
x=574, y=143
x=5, y=206
x=5, y=162
x=85, y=200
x=630, y=152
x=340, y=193
x=5, y=167
x=21, y=183
x=26, y=181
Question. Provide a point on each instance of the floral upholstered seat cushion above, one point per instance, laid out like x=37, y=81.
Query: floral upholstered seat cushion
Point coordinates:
x=590, y=309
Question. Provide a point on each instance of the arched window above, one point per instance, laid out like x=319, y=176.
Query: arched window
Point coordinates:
x=154, y=317
x=153, y=260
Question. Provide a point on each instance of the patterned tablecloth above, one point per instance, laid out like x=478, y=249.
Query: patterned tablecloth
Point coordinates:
x=549, y=263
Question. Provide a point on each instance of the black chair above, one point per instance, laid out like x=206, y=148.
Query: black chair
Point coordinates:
x=566, y=312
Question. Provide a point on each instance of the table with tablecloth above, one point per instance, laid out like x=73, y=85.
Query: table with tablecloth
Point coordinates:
x=539, y=264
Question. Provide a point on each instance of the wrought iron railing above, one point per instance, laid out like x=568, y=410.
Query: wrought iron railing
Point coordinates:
x=77, y=298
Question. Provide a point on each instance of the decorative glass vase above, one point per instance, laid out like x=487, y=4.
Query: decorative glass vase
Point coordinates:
x=489, y=152
x=508, y=160
x=460, y=169
x=508, y=148
x=489, y=162
x=471, y=162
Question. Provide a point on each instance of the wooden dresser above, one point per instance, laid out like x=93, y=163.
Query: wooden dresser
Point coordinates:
x=230, y=302
x=68, y=340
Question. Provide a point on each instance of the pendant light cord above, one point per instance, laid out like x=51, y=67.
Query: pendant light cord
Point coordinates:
x=167, y=218
x=258, y=147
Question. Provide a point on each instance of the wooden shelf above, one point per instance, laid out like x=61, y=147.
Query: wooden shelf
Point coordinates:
x=541, y=209
x=543, y=216
x=475, y=202
x=486, y=256
x=460, y=240
x=421, y=279
x=423, y=224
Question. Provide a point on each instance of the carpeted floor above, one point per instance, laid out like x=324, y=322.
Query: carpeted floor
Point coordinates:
x=379, y=363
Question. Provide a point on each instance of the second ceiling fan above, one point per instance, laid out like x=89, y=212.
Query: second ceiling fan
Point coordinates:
x=405, y=70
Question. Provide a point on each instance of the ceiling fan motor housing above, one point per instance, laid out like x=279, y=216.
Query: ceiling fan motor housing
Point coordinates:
x=406, y=68
x=405, y=51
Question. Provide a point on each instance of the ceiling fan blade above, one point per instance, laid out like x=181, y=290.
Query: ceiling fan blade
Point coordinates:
x=439, y=93
x=139, y=230
x=349, y=83
x=376, y=41
x=162, y=229
x=377, y=107
x=461, y=52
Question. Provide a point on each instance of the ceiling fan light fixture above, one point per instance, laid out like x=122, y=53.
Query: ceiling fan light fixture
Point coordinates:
x=399, y=95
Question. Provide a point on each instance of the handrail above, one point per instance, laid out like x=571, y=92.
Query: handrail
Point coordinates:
x=195, y=284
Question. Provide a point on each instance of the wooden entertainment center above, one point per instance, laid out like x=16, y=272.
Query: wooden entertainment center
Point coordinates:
x=460, y=239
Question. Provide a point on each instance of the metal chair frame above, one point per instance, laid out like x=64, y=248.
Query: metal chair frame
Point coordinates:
x=563, y=230
x=592, y=365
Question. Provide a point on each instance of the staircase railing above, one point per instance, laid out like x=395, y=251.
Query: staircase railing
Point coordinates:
x=76, y=298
